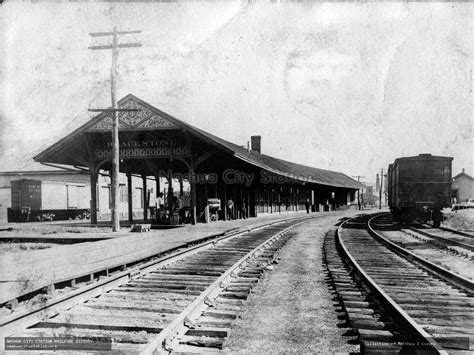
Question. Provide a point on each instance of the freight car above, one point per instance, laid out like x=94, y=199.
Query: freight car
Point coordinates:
x=419, y=188
x=35, y=200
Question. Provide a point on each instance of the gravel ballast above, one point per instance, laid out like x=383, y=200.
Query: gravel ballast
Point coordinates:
x=292, y=309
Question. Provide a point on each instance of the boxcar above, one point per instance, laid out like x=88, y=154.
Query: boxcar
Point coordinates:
x=419, y=188
x=36, y=200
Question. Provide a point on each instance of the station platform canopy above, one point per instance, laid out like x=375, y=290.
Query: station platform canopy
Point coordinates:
x=151, y=134
x=154, y=143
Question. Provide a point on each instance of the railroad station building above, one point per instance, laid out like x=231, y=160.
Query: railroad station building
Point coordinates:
x=158, y=146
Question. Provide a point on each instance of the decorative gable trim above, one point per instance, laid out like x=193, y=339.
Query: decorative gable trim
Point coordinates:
x=143, y=119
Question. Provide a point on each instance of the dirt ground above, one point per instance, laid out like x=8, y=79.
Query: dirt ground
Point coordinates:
x=46, y=231
x=10, y=247
x=461, y=220
x=292, y=310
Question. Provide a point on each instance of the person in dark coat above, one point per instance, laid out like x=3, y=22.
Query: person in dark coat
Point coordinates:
x=306, y=204
x=230, y=209
x=243, y=209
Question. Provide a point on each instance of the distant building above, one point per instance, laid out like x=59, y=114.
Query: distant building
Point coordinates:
x=35, y=171
x=368, y=197
x=463, y=187
x=66, y=189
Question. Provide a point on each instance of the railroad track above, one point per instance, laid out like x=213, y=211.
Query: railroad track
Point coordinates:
x=181, y=303
x=453, y=231
x=448, y=249
x=395, y=301
x=449, y=237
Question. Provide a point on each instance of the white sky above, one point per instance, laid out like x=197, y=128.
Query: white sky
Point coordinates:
x=345, y=87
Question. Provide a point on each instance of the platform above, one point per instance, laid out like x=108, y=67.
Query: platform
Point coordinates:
x=26, y=271
x=68, y=232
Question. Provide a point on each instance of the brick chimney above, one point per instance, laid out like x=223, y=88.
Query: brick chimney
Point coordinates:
x=256, y=143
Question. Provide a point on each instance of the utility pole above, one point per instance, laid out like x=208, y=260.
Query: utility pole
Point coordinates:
x=115, y=134
x=358, y=191
x=380, y=190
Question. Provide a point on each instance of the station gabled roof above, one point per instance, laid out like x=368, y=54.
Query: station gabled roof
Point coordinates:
x=277, y=166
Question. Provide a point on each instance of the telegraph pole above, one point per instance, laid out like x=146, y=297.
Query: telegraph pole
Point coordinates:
x=358, y=191
x=380, y=190
x=115, y=135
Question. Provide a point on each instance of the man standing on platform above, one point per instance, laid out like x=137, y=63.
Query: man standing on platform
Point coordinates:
x=306, y=204
x=230, y=209
x=243, y=209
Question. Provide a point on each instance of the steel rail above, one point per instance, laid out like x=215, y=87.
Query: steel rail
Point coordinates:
x=19, y=320
x=169, y=336
x=465, y=234
x=387, y=300
x=448, y=276
x=30, y=317
x=133, y=261
x=444, y=240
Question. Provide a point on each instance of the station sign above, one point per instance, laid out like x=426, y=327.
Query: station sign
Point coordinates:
x=129, y=149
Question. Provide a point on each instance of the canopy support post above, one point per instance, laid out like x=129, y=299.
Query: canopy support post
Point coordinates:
x=130, y=197
x=93, y=202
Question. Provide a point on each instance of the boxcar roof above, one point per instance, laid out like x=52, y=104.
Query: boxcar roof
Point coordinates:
x=422, y=157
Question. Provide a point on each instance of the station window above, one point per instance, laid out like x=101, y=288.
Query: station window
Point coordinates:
x=138, y=198
x=105, y=198
x=123, y=193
